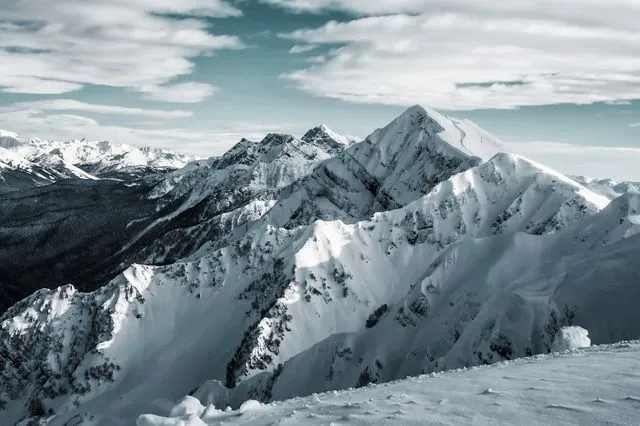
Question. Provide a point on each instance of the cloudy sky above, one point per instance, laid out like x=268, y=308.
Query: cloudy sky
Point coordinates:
x=558, y=79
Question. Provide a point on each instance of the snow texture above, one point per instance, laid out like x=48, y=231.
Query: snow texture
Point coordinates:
x=597, y=386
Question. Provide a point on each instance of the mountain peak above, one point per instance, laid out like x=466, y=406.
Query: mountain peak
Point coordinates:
x=415, y=109
x=461, y=135
x=327, y=139
x=9, y=139
x=6, y=133
x=276, y=139
x=419, y=111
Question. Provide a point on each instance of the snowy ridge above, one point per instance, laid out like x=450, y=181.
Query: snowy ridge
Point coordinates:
x=387, y=170
x=505, y=195
x=218, y=199
x=16, y=172
x=286, y=267
x=103, y=155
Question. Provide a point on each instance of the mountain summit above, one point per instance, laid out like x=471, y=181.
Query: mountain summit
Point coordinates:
x=325, y=137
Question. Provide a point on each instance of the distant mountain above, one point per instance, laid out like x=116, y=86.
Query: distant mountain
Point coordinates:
x=608, y=187
x=17, y=171
x=88, y=231
x=291, y=266
x=31, y=162
x=9, y=140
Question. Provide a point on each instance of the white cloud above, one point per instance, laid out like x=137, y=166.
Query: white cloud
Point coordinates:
x=302, y=48
x=128, y=44
x=469, y=54
x=634, y=125
x=590, y=11
x=30, y=85
x=189, y=92
x=73, y=105
x=620, y=163
x=316, y=59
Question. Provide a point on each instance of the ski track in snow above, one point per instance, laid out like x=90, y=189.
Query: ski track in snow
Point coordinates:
x=463, y=134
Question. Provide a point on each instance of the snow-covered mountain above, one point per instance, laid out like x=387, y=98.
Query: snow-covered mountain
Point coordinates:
x=17, y=172
x=215, y=201
x=332, y=141
x=291, y=266
x=39, y=162
x=608, y=187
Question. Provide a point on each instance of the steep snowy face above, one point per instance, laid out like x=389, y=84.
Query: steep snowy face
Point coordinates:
x=430, y=297
x=420, y=123
x=390, y=168
x=360, y=270
x=217, y=200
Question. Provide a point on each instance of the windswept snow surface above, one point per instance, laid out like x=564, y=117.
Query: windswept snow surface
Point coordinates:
x=596, y=386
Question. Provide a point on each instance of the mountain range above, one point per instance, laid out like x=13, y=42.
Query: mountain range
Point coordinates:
x=291, y=266
x=35, y=162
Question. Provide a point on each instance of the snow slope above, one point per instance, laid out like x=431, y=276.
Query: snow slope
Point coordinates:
x=599, y=385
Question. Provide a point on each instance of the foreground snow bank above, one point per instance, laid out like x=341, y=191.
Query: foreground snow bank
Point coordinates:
x=190, y=412
x=592, y=386
x=570, y=339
